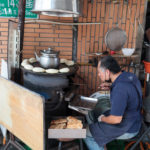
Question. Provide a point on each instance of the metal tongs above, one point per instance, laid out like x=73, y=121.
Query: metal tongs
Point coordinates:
x=82, y=110
x=89, y=99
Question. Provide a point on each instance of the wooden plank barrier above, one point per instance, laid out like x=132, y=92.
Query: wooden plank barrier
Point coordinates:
x=21, y=112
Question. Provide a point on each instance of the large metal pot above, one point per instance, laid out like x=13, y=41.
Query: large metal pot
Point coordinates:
x=48, y=58
x=60, y=8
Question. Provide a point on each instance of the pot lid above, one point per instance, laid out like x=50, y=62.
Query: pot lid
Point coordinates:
x=59, y=8
x=49, y=52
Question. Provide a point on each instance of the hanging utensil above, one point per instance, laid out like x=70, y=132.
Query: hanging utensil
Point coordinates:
x=82, y=111
x=115, y=39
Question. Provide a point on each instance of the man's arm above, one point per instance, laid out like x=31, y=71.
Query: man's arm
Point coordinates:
x=110, y=119
x=119, y=97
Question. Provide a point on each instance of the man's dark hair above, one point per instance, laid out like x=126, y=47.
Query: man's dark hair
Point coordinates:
x=108, y=62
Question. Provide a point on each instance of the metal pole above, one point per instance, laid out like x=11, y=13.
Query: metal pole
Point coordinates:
x=75, y=41
x=21, y=18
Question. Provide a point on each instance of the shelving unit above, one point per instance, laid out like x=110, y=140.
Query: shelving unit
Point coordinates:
x=116, y=56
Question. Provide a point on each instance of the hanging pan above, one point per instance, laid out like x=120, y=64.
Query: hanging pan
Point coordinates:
x=115, y=39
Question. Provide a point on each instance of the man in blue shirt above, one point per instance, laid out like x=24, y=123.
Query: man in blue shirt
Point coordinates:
x=124, y=118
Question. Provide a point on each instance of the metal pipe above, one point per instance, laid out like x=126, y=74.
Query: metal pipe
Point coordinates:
x=75, y=40
x=21, y=17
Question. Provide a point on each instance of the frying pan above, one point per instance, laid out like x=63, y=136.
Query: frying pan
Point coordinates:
x=115, y=39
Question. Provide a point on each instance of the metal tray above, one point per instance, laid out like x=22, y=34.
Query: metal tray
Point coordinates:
x=83, y=102
x=67, y=133
x=79, y=109
x=89, y=99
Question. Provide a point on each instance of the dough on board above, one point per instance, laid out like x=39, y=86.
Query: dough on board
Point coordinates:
x=69, y=63
x=24, y=62
x=32, y=60
x=52, y=71
x=28, y=66
x=64, y=70
x=38, y=69
x=62, y=60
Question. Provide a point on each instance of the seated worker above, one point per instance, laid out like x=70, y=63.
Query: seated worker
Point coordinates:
x=124, y=118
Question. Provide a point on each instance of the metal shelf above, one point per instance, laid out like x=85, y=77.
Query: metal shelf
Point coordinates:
x=117, y=56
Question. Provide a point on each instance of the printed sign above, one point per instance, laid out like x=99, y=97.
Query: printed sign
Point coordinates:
x=9, y=8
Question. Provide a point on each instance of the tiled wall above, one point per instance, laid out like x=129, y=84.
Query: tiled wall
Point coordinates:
x=90, y=37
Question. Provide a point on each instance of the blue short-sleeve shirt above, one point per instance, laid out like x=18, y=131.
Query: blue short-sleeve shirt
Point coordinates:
x=125, y=100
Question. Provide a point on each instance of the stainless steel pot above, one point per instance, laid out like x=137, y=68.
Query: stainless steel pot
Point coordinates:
x=48, y=58
x=60, y=8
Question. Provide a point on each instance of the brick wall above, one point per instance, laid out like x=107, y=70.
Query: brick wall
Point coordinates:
x=41, y=36
x=90, y=37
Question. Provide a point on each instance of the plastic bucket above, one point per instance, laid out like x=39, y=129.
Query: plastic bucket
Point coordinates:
x=147, y=66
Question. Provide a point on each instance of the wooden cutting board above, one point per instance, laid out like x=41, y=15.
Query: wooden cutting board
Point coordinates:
x=21, y=112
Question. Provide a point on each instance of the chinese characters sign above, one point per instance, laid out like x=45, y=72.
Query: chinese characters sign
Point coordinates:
x=9, y=8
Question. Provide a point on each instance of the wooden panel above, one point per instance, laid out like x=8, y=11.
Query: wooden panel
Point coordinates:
x=21, y=112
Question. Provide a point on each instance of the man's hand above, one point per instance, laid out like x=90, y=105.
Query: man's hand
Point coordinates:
x=110, y=119
x=105, y=86
x=100, y=118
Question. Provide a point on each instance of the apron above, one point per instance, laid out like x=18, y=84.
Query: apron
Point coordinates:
x=103, y=133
